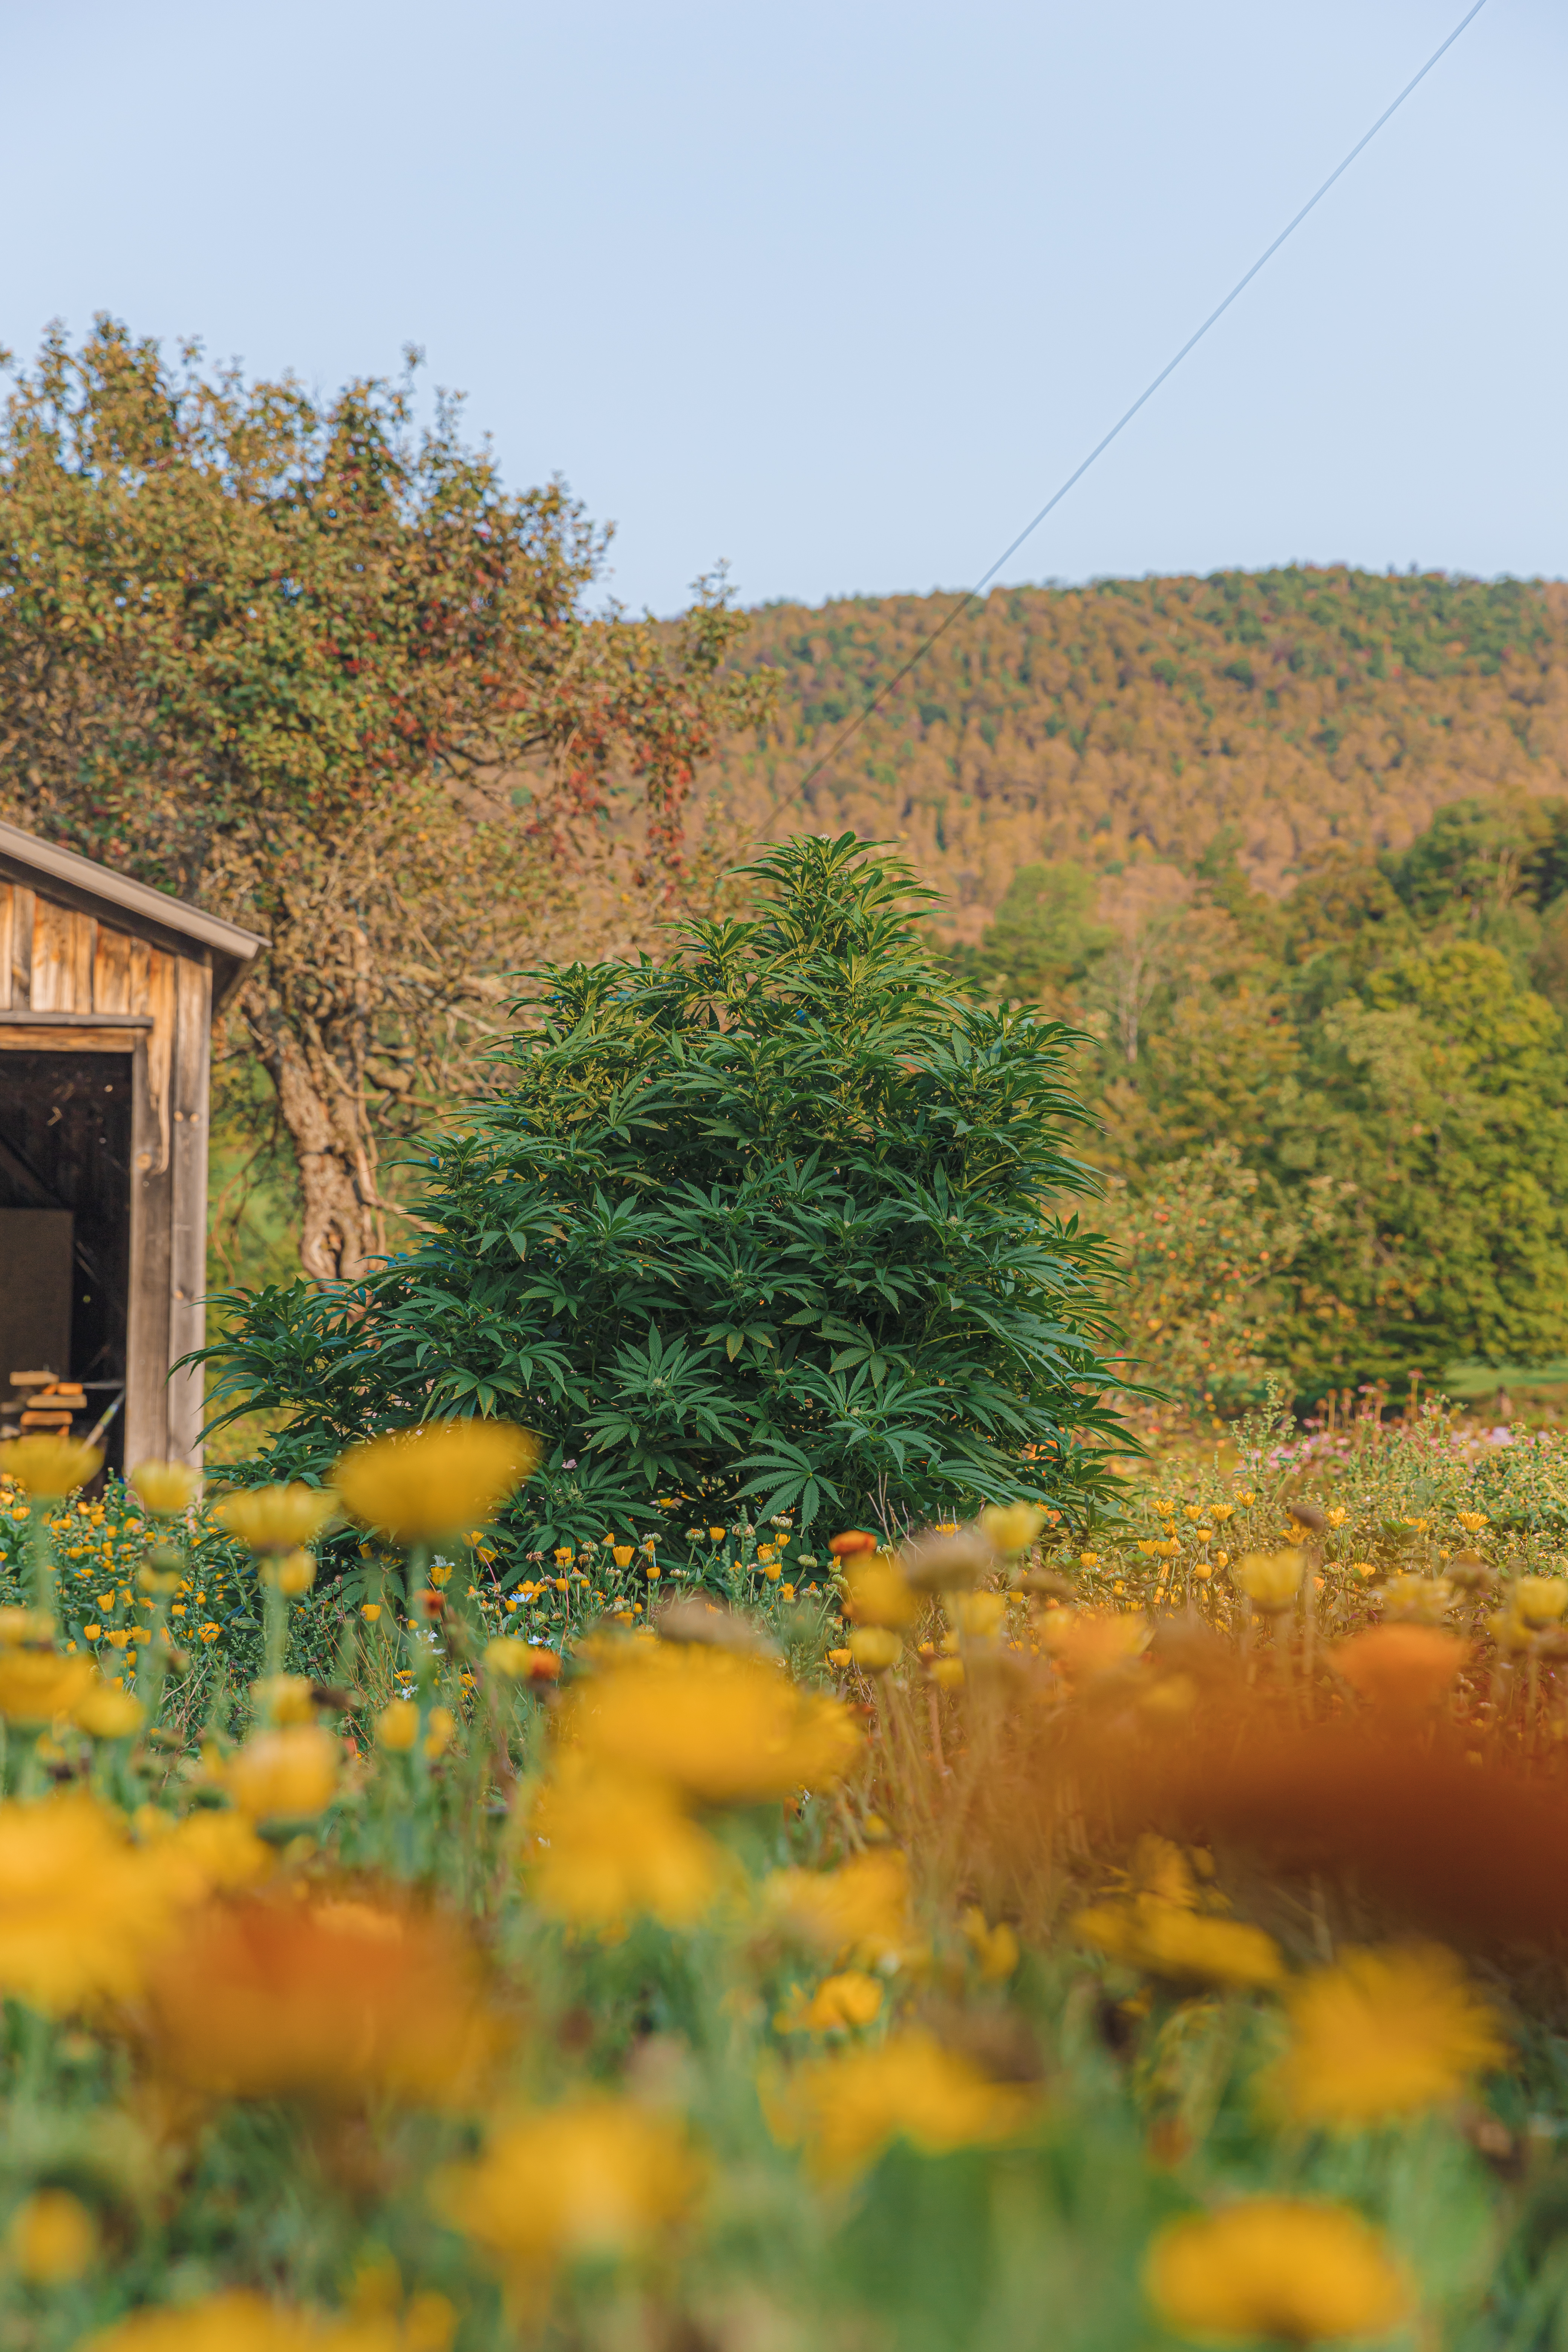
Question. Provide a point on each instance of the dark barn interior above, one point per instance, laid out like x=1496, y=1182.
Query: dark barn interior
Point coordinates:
x=65, y=1224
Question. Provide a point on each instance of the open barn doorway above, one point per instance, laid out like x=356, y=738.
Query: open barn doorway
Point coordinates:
x=65, y=1238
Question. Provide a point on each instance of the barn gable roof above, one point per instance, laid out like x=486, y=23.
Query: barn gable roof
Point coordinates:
x=156, y=916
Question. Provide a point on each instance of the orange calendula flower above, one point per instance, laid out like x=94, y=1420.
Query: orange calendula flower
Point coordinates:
x=846, y=2109
x=718, y=1729
x=420, y=1484
x=849, y=1998
x=1275, y=2268
x=593, y=2176
x=1401, y=1666
x=331, y=2001
x=1382, y=2034
x=35, y=1685
x=880, y=1593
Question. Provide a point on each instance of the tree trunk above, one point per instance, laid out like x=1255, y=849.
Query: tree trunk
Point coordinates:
x=341, y=1224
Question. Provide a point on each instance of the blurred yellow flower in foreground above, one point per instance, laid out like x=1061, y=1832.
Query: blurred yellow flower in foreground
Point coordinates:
x=846, y=2109
x=1012, y=1527
x=602, y=1850
x=978, y=1615
x=52, y=2237
x=49, y=1467
x=521, y=1661
x=721, y=1728
x=595, y=2177
x=331, y=2001
x=1383, y=2033
x=279, y=1699
x=1538, y=1601
x=1276, y=2268
x=105, y=1713
x=166, y=1488
x=285, y=1775
x=276, y=1519
x=878, y=1592
x=1168, y=1939
x=860, y=1912
x=1269, y=1580
x=38, y=1685
x=80, y=1908
x=875, y=1648
x=397, y=1726
x=419, y=1483
x=242, y=2322
x=1087, y=1644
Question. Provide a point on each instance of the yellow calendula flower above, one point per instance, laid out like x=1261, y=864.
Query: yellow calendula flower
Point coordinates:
x=1012, y=1527
x=622, y=1554
x=599, y=1850
x=397, y=1726
x=30, y=1625
x=977, y=1615
x=947, y=1674
x=243, y=2322
x=851, y=1999
x=846, y=2109
x=859, y=1913
x=279, y=1518
x=52, y=2238
x=1471, y=1521
x=35, y=1685
x=1383, y=2033
x=720, y=1729
x=1538, y=1601
x=285, y=1775
x=1275, y=2268
x=420, y=1484
x=995, y=1949
x=520, y=1661
x=166, y=1488
x=295, y=1572
x=1168, y=1939
x=49, y=1467
x=1087, y=1644
x=593, y=2176
x=81, y=1909
x=1269, y=1580
x=875, y=1649
x=440, y=1730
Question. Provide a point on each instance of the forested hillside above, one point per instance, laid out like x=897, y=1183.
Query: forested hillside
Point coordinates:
x=1298, y=708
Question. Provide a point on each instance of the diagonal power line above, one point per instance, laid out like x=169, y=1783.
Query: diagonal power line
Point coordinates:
x=971, y=594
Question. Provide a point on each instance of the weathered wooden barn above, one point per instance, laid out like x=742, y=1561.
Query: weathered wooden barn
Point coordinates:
x=108, y=991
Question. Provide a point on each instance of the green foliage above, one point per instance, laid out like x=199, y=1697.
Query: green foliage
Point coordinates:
x=1374, y=1055
x=779, y=1219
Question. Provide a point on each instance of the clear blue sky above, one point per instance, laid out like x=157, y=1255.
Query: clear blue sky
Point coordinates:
x=839, y=291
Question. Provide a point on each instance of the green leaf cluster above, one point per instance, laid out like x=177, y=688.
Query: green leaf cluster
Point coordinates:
x=780, y=1220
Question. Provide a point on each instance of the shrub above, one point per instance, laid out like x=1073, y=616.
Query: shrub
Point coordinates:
x=778, y=1220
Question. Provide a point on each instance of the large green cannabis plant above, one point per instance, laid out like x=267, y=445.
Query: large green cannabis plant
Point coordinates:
x=779, y=1222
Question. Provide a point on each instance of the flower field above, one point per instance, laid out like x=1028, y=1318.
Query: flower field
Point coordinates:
x=988, y=1935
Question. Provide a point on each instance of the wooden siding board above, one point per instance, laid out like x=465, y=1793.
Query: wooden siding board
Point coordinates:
x=52, y=965
x=21, y=948
x=111, y=971
x=7, y=915
x=83, y=943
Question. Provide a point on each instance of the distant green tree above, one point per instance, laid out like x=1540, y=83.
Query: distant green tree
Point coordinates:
x=1442, y=1091
x=1045, y=936
x=781, y=1220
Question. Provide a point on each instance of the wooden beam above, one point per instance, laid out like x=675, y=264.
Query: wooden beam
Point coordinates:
x=152, y=1217
x=188, y=1251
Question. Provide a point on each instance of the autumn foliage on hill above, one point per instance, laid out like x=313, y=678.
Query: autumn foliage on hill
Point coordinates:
x=1298, y=708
